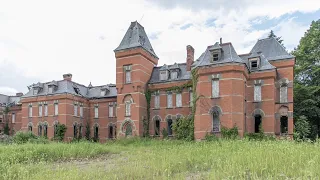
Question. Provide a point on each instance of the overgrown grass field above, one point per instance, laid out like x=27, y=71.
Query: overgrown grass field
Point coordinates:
x=156, y=159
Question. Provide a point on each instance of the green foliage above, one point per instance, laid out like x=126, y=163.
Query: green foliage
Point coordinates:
x=164, y=133
x=146, y=122
x=306, y=80
x=211, y=137
x=23, y=137
x=61, y=130
x=302, y=129
x=183, y=128
x=231, y=133
x=88, y=132
x=6, y=129
x=271, y=34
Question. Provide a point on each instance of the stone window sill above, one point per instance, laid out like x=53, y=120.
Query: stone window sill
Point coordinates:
x=257, y=101
x=169, y=107
x=216, y=97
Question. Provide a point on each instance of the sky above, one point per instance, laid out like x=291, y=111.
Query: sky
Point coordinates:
x=40, y=40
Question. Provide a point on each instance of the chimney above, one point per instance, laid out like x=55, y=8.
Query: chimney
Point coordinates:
x=19, y=94
x=190, y=57
x=67, y=77
x=221, y=40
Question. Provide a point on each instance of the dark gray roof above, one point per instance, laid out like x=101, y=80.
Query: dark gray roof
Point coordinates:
x=228, y=55
x=9, y=100
x=271, y=49
x=136, y=37
x=70, y=87
x=183, y=74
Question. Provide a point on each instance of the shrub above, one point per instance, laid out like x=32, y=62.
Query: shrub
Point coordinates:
x=23, y=137
x=184, y=129
x=211, y=137
x=5, y=139
x=6, y=129
x=87, y=134
x=39, y=140
x=61, y=130
x=164, y=133
x=302, y=129
x=229, y=133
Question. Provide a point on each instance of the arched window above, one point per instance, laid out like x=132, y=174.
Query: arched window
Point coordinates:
x=111, y=132
x=96, y=133
x=39, y=130
x=30, y=127
x=128, y=129
x=169, y=127
x=257, y=123
x=80, y=131
x=157, y=127
x=45, y=130
x=284, y=124
x=75, y=130
x=55, y=130
x=215, y=114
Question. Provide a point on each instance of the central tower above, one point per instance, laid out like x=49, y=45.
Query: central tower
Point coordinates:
x=135, y=60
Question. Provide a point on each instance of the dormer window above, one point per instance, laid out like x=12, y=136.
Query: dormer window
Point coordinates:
x=35, y=91
x=215, y=57
x=174, y=75
x=163, y=75
x=254, y=63
x=102, y=93
x=50, y=89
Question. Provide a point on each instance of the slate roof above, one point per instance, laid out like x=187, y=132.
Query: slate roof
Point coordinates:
x=136, y=37
x=70, y=87
x=184, y=74
x=228, y=55
x=9, y=100
x=271, y=49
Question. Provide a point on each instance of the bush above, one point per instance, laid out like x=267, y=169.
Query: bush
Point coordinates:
x=5, y=139
x=302, y=129
x=39, y=140
x=61, y=130
x=6, y=129
x=229, y=133
x=23, y=137
x=184, y=129
x=164, y=133
x=211, y=137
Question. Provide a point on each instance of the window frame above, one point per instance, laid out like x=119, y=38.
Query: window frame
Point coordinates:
x=127, y=74
x=215, y=88
x=169, y=100
x=178, y=101
x=257, y=96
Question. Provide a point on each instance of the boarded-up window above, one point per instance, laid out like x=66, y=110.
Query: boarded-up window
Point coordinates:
x=157, y=101
x=13, y=117
x=96, y=112
x=174, y=75
x=283, y=94
x=257, y=93
x=110, y=109
x=46, y=110
x=178, y=100
x=30, y=111
x=215, y=88
x=40, y=110
x=81, y=111
x=56, y=109
x=169, y=100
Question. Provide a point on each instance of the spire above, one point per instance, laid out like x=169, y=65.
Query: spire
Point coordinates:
x=90, y=85
x=136, y=37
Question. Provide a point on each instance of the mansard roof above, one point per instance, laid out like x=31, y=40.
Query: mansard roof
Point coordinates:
x=228, y=55
x=6, y=100
x=183, y=73
x=70, y=87
x=271, y=49
x=136, y=37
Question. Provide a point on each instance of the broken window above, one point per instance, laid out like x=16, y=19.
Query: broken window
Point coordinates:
x=110, y=132
x=81, y=110
x=30, y=110
x=257, y=123
x=128, y=108
x=75, y=110
x=46, y=110
x=13, y=118
x=128, y=129
x=157, y=101
x=75, y=130
x=190, y=98
x=157, y=127
x=110, y=109
x=163, y=75
x=30, y=128
x=56, y=109
x=96, y=133
x=127, y=70
x=215, y=57
x=284, y=124
x=55, y=130
x=169, y=127
x=96, y=112
x=40, y=110
x=174, y=75
x=254, y=64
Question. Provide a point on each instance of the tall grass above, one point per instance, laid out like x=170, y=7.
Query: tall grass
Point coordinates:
x=151, y=159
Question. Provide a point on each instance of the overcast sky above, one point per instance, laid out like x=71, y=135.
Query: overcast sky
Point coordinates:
x=42, y=39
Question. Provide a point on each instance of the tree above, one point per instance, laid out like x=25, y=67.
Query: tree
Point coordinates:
x=302, y=128
x=306, y=79
x=271, y=34
x=6, y=129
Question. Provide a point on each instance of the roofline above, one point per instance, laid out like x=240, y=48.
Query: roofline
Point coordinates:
x=293, y=57
x=63, y=93
x=140, y=46
x=161, y=82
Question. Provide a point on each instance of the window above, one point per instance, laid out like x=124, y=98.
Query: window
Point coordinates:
x=169, y=100
x=169, y=127
x=257, y=123
x=215, y=122
x=157, y=127
x=127, y=70
x=128, y=129
x=283, y=94
x=215, y=57
x=257, y=93
x=56, y=109
x=75, y=110
x=46, y=110
x=110, y=109
x=284, y=124
x=75, y=131
x=157, y=101
x=80, y=132
x=50, y=89
x=76, y=89
x=215, y=88
x=45, y=130
x=55, y=130
x=174, y=75
x=35, y=91
x=128, y=108
x=163, y=75
x=110, y=132
x=40, y=110
x=254, y=64
x=96, y=112
x=30, y=127
x=96, y=134
x=13, y=118
x=81, y=110
x=178, y=100
x=39, y=130
x=30, y=110
x=191, y=98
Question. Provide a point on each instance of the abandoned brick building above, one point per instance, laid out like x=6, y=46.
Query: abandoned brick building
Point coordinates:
x=248, y=91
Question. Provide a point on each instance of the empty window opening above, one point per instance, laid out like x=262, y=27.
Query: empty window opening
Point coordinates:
x=30, y=128
x=157, y=128
x=128, y=130
x=96, y=133
x=75, y=131
x=215, y=57
x=111, y=132
x=284, y=124
x=45, y=130
x=39, y=130
x=170, y=127
x=254, y=64
x=257, y=123
x=215, y=122
x=55, y=130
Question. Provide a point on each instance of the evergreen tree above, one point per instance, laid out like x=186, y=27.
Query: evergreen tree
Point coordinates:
x=306, y=80
x=271, y=34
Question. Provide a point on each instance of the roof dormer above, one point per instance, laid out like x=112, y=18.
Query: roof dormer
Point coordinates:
x=37, y=88
x=52, y=86
x=215, y=51
x=164, y=73
x=104, y=90
x=254, y=61
x=174, y=71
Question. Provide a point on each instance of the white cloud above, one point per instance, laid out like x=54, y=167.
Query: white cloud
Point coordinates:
x=8, y=91
x=44, y=39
